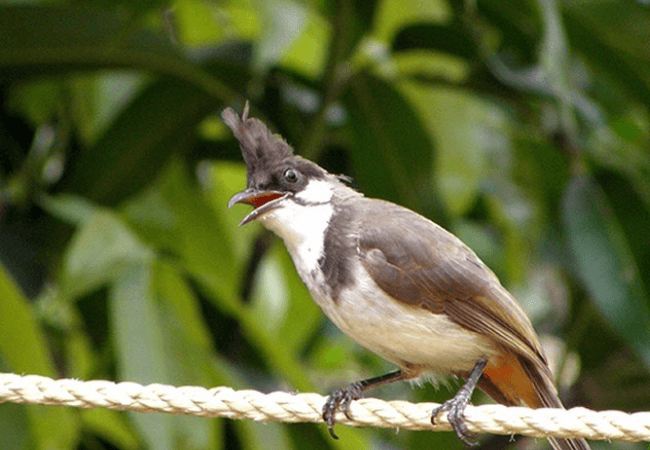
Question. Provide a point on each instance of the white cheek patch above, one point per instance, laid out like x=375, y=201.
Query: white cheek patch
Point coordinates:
x=316, y=191
x=302, y=227
x=302, y=223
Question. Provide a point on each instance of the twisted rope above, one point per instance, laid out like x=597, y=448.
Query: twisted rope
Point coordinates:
x=288, y=407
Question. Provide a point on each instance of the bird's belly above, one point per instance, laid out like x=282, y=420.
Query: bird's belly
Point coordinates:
x=408, y=336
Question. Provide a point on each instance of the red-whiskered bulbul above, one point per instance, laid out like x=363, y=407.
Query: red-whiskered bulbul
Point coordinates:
x=394, y=281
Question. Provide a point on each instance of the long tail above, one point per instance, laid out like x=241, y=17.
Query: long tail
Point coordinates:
x=512, y=380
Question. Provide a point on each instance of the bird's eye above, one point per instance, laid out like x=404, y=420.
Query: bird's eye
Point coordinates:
x=290, y=175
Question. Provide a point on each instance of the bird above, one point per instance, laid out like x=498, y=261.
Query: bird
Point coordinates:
x=394, y=281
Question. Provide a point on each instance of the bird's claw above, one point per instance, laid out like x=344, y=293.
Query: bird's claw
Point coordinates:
x=455, y=408
x=340, y=400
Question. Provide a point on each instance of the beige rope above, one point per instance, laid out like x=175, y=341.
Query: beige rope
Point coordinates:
x=287, y=407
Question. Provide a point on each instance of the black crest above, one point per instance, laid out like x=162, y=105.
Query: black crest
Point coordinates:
x=260, y=148
x=268, y=155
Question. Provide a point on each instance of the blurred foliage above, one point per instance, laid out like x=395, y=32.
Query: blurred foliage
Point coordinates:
x=521, y=126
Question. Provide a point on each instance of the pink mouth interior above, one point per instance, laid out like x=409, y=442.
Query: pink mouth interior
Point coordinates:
x=263, y=199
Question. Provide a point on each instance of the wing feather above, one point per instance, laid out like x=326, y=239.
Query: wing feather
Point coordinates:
x=429, y=267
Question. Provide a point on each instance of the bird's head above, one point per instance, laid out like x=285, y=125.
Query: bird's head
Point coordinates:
x=277, y=179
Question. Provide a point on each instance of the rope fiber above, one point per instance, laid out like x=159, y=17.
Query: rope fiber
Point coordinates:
x=290, y=407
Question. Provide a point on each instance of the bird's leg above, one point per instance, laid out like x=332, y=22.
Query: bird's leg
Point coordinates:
x=455, y=406
x=342, y=398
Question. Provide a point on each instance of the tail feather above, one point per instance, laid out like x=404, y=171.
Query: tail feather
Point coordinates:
x=512, y=380
x=541, y=378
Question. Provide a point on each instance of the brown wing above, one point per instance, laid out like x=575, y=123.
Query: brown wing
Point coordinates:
x=420, y=263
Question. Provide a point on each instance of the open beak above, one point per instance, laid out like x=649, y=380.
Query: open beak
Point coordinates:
x=262, y=201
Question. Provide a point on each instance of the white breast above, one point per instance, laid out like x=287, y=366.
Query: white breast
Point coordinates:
x=302, y=226
x=405, y=334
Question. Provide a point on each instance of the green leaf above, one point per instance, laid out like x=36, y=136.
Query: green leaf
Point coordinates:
x=24, y=349
x=393, y=16
x=303, y=317
x=308, y=52
x=99, y=251
x=349, y=21
x=612, y=36
x=97, y=98
x=555, y=63
x=203, y=245
x=37, y=101
x=197, y=22
x=282, y=23
x=283, y=300
x=225, y=180
x=80, y=356
x=446, y=38
x=72, y=209
x=111, y=427
x=159, y=122
x=431, y=67
x=177, y=217
x=611, y=147
x=189, y=352
x=466, y=130
x=14, y=427
x=513, y=27
x=139, y=345
x=605, y=264
x=389, y=162
x=270, y=296
x=181, y=314
x=42, y=39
